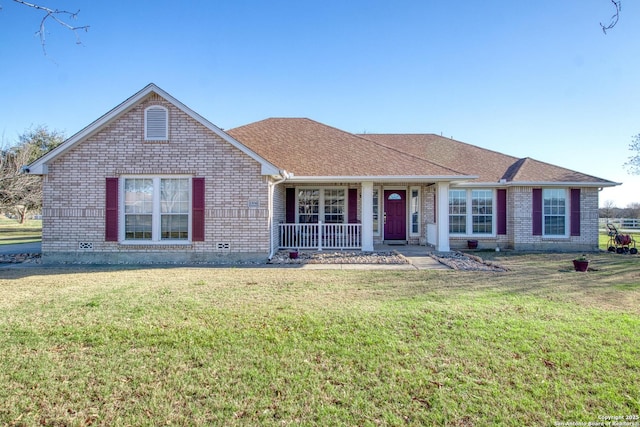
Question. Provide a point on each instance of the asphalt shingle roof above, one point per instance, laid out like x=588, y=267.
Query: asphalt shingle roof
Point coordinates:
x=309, y=148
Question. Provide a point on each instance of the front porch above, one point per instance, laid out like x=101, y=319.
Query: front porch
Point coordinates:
x=341, y=217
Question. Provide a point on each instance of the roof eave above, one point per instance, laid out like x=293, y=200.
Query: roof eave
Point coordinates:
x=561, y=184
x=379, y=178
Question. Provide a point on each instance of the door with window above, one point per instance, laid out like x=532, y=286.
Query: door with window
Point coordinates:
x=395, y=215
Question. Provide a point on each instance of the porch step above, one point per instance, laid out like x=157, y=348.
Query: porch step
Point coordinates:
x=395, y=242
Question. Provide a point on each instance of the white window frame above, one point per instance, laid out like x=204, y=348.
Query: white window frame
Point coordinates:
x=419, y=211
x=567, y=212
x=164, y=137
x=156, y=221
x=469, y=212
x=321, y=205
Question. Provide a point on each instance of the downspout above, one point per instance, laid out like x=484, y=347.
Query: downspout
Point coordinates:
x=272, y=185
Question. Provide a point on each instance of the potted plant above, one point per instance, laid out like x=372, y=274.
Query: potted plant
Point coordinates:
x=472, y=244
x=581, y=263
x=293, y=254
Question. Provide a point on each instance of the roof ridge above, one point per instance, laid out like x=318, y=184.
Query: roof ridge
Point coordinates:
x=512, y=171
x=532, y=160
x=409, y=154
x=361, y=137
x=450, y=139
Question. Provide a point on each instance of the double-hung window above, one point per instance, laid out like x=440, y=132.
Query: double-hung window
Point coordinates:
x=457, y=211
x=554, y=208
x=482, y=211
x=327, y=205
x=156, y=209
x=471, y=212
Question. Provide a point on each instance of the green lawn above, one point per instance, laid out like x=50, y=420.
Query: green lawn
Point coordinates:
x=537, y=345
x=11, y=231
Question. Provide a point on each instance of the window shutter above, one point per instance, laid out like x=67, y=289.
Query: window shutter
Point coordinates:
x=353, y=206
x=575, y=211
x=290, y=201
x=536, y=216
x=111, y=210
x=502, y=211
x=197, y=209
x=156, y=124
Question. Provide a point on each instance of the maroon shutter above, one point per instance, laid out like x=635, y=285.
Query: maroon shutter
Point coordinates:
x=502, y=211
x=111, y=210
x=290, y=205
x=536, y=214
x=353, y=205
x=575, y=211
x=197, y=210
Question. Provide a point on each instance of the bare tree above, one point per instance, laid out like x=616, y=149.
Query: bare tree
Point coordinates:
x=62, y=17
x=617, y=4
x=20, y=193
x=633, y=164
x=606, y=211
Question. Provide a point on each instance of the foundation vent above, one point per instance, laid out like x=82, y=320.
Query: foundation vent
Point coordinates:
x=85, y=246
x=224, y=246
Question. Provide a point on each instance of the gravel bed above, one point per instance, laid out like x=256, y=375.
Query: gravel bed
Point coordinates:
x=19, y=258
x=315, y=257
x=466, y=262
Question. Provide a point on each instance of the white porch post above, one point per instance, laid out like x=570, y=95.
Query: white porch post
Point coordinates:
x=442, y=242
x=367, y=216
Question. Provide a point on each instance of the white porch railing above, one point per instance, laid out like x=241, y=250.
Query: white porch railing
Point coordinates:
x=320, y=236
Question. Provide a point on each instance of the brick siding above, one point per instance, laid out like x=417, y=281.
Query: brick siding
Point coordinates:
x=74, y=189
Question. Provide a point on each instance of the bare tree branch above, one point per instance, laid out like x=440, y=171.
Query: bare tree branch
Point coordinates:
x=59, y=16
x=614, y=18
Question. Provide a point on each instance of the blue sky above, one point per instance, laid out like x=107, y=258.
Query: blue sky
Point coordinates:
x=530, y=79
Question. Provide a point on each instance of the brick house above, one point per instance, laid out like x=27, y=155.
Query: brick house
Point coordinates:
x=153, y=181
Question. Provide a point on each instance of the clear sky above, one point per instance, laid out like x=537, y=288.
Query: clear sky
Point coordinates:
x=527, y=78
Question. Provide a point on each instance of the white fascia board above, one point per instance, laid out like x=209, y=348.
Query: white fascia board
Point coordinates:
x=535, y=184
x=37, y=167
x=377, y=178
x=562, y=184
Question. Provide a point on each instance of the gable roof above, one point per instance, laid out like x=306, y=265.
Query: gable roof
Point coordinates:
x=491, y=167
x=314, y=151
x=38, y=167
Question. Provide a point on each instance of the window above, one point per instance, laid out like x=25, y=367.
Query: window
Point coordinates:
x=376, y=211
x=479, y=219
x=308, y=206
x=482, y=211
x=334, y=203
x=457, y=211
x=156, y=209
x=415, y=211
x=156, y=123
x=326, y=205
x=554, y=208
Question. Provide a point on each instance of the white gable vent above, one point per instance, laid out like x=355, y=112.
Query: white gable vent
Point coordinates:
x=156, y=124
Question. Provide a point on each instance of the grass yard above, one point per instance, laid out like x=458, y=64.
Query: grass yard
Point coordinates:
x=537, y=345
x=11, y=231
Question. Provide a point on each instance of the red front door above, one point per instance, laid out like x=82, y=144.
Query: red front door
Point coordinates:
x=395, y=211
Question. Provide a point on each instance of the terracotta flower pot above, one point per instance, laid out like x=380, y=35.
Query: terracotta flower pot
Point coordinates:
x=472, y=244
